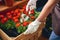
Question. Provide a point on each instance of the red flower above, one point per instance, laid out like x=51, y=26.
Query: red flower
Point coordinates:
x=16, y=20
x=9, y=16
x=16, y=10
x=18, y=24
x=26, y=12
x=32, y=11
x=8, y=13
x=25, y=23
x=4, y=20
x=32, y=17
x=18, y=15
x=1, y=16
x=12, y=12
x=24, y=7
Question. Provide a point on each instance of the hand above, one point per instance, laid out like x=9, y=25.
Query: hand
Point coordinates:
x=32, y=27
x=31, y=5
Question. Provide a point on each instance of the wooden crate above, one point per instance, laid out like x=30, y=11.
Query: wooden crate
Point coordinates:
x=33, y=36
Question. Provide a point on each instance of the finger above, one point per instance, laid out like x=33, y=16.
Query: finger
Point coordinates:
x=32, y=7
x=27, y=8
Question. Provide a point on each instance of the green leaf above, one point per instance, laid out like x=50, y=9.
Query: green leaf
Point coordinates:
x=24, y=29
x=9, y=25
x=36, y=14
x=19, y=29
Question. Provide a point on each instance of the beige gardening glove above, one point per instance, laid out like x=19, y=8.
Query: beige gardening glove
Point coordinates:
x=31, y=5
x=32, y=27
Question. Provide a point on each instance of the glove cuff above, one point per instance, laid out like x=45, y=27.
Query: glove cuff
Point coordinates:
x=37, y=22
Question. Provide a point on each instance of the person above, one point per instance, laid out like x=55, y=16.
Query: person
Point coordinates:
x=53, y=7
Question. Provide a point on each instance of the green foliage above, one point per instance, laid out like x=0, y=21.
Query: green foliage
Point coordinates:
x=8, y=25
x=36, y=14
x=21, y=29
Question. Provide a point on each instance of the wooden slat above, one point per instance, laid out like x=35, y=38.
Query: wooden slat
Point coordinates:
x=3, y=8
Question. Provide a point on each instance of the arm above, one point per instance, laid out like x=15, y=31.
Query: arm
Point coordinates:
x=32, y=27
x=47, y=9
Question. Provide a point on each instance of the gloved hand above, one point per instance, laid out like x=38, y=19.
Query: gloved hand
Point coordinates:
x=32, y=27
x=31, y=5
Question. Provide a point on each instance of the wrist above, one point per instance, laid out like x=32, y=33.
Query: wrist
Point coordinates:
x=37, y=22
x=41, y=20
